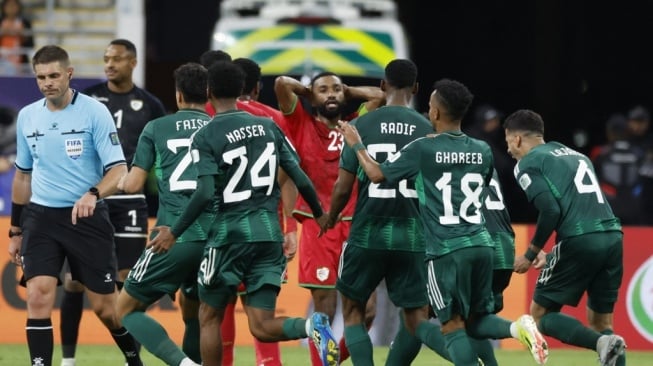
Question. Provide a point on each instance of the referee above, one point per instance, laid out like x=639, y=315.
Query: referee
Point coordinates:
x=68, y=159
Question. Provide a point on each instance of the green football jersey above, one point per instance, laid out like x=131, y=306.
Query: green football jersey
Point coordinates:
x=451, y=172
x=243, y=152
x=570, y=177
x=497, y=222
x=164, y=145
x=387, y=214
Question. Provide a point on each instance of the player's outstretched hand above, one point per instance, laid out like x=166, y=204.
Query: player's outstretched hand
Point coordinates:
x=163, y=241
x=349, y=132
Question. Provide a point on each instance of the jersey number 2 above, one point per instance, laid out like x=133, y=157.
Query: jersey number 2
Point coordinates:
x=267, y=158
x=374, y=191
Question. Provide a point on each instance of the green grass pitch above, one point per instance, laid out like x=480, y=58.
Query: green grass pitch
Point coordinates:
x=11, y=355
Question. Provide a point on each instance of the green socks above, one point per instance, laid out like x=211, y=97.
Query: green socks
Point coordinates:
x=490, y=326
x=431, y=335
x=191, y=342
x=460, y=348
x=295, y=328
x=568, y=330
x=484, y=350
x=359, y=345
x=404, y=347
x=153, y=337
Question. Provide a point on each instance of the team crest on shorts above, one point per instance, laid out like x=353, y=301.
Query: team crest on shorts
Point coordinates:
x=136, y=104
x=322, y=274
x=74, y=148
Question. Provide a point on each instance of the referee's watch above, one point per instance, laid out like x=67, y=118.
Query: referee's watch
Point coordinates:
x=94, y=191
x=15, y=233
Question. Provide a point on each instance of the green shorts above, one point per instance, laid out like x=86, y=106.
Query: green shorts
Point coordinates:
x=156, y=275
x=461, y=283
x=591, y=263
x=362, y=269
x=254, y=264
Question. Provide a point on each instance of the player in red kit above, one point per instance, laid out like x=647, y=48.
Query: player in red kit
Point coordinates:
x=318, y=145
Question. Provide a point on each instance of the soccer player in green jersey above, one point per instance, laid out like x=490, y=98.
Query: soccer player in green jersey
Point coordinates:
x=385, y=240
x=405, y=346
x=588, y=254
x=163, y=145
x=451, y=172
x=236, y=157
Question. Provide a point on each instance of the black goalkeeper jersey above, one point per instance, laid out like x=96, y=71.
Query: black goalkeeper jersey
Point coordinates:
x=131, y=111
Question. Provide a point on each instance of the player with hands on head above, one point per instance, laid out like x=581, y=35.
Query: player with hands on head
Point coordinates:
x=236, y=156
x=318, y=143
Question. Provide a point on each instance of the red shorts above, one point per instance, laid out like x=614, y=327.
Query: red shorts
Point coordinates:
x=319, y=257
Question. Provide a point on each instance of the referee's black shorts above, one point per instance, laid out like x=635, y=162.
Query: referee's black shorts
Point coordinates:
x=49, y=237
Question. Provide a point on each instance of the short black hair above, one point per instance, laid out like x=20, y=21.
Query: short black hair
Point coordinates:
x=252, y=73
x=524, y=120
x=226, y=80
x=401, y=73
x=191, y=81
x=454, y=97
x=323, y=74
x=51, y=53
x=210, y=57
x=129, y=45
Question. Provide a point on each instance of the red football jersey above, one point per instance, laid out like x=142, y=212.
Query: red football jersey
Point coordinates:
x=209, y=109
x=318, y=147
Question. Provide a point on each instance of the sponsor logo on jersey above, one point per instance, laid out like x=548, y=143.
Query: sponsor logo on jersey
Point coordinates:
x=54, y=126
x=113, y=137
x=525, y=181
x=640, y=300
x=100, y=99
x=322, y=274
x=136, y=104
x=74, y=148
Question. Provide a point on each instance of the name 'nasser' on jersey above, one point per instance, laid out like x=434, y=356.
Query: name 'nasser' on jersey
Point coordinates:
x=318, y=147
x=243, y=152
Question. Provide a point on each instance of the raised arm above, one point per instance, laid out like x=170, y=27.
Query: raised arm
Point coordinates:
x=373, y=96
x=287, y=89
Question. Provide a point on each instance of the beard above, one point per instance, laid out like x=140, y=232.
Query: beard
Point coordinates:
x=330, y=113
